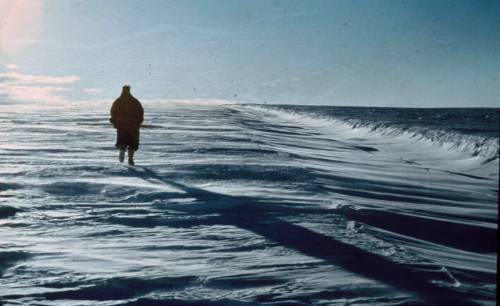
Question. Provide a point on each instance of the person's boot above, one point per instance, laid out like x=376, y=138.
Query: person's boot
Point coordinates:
x=121, y=156
x=131, y=157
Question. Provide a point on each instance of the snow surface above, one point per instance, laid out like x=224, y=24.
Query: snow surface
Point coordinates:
x=238, y=205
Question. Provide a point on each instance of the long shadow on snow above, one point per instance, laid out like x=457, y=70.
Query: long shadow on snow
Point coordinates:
x=251, y=214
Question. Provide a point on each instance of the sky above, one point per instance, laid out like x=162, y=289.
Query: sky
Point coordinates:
x=360, y=53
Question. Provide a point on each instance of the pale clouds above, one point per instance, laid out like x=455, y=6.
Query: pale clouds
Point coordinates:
x=36, y=94
x=12, y=66
x=21, y=78
x=195, y=101
x=92, y=90
x=19, y=87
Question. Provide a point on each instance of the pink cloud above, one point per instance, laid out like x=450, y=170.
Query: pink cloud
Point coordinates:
x=47, y=94
x=12, y=66
x=92, y=90
x=20, y=87
x=196, y=101
x=21, y=78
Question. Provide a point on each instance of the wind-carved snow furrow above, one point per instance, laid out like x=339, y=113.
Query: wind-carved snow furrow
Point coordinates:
x=235, y=203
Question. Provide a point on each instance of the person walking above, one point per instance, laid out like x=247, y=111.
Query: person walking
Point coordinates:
x=127, y=115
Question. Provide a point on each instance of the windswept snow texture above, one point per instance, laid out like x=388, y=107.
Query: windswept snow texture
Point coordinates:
x=249, y=205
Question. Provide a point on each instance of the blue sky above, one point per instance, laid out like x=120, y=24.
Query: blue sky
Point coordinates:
x=378, y=53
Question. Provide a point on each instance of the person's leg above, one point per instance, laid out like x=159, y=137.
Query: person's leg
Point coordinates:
x=121, y=144
x=133, y=146
x=121, y=156
x=131, y=157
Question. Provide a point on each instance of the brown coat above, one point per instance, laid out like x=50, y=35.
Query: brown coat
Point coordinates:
x=127, y=113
